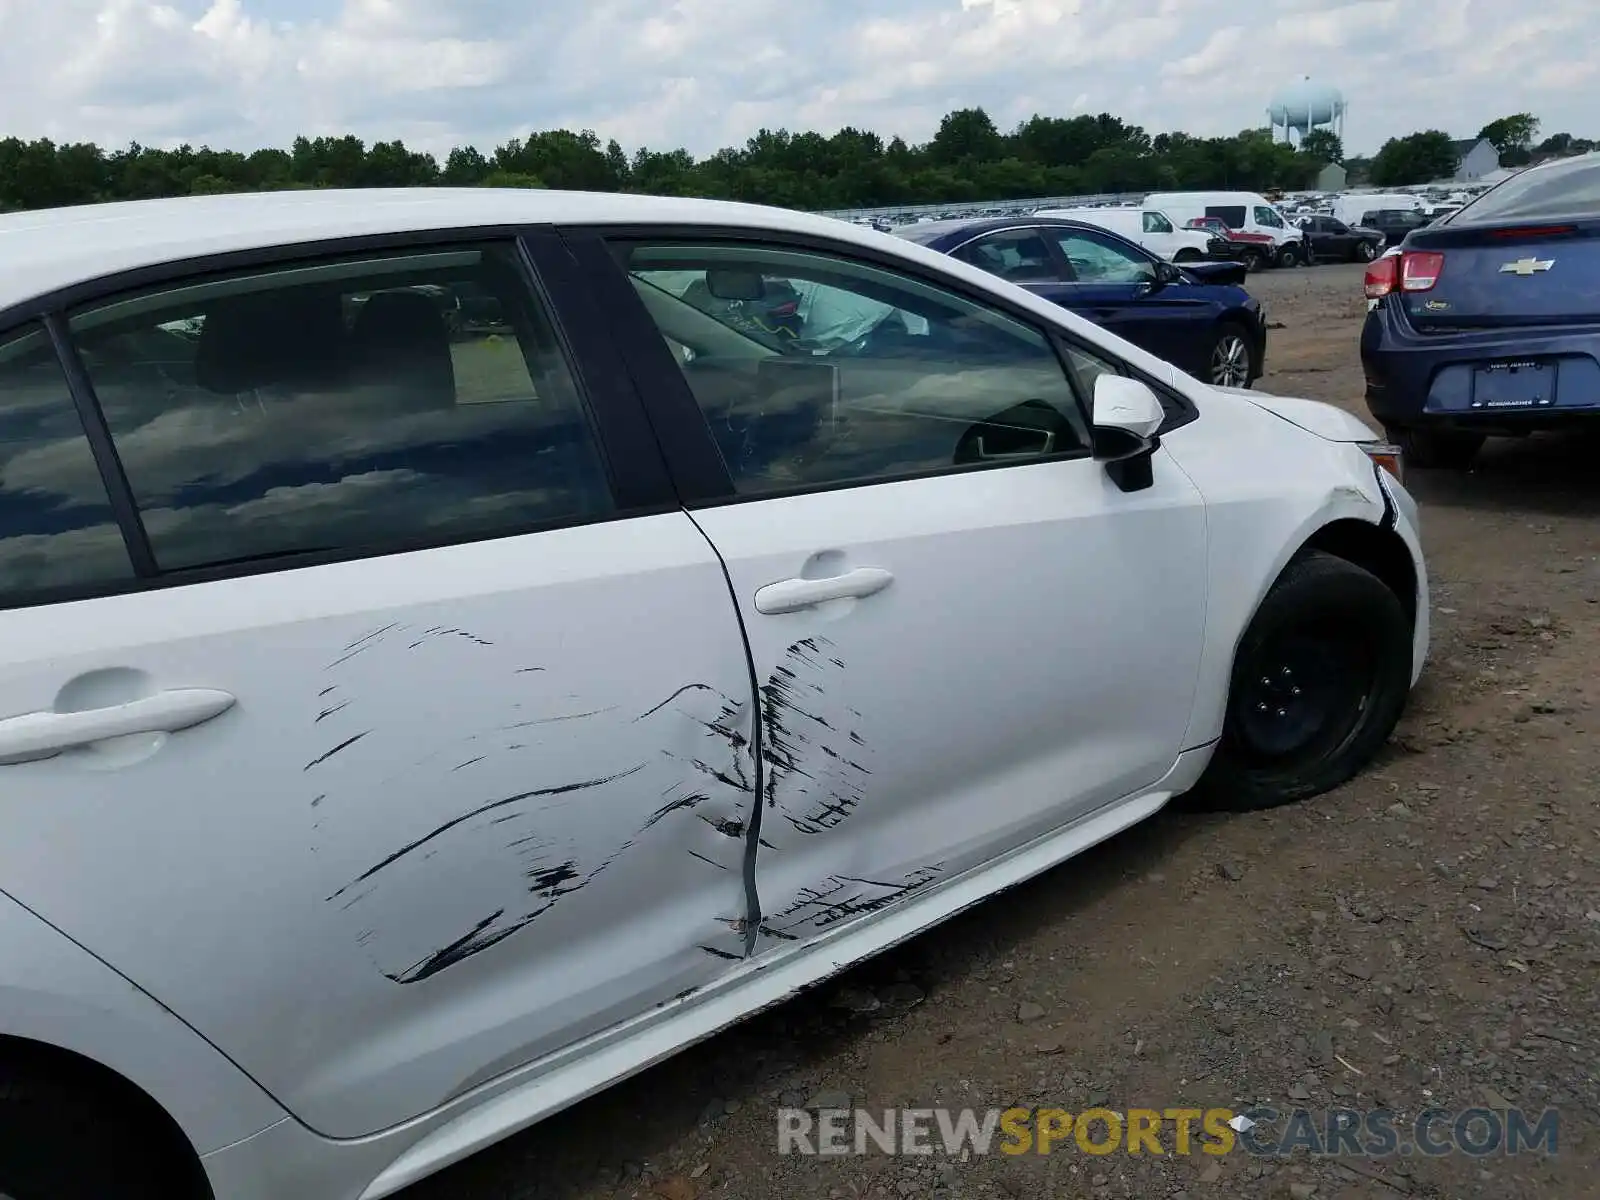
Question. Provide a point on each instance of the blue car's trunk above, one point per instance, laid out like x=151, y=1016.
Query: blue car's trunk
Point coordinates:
x=1503, y=274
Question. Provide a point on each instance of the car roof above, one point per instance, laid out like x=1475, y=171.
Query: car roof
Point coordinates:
x=47, y=249
x=942, y=235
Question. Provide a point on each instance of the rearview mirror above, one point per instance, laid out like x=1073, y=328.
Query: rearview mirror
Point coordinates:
x=1127, y=416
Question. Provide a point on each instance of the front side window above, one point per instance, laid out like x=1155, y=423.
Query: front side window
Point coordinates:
x=1268, y=216
x=1101, y=260
x=887, y=376
x=56, y=525
x=341, y=405
x=1020, y=255
x=1155, y=222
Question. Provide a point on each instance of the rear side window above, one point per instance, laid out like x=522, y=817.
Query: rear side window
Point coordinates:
x=56, y=525
x=1020, y=255
x=346, y=405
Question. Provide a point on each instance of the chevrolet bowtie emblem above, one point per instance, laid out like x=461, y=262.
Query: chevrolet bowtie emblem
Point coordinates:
x=1527, y=266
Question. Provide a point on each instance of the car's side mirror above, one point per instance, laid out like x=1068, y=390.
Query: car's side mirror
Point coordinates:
x=1127, y=416
x=1166, y=274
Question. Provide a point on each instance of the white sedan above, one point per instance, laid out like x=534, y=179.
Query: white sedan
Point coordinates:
x=459, y=647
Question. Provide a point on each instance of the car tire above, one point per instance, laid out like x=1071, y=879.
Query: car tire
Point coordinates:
x=1230, y=354
x=1289, y=256
x=1254, y=260
x=1331, y=629
x=60, y=1140
x=1187, y=256
x=1364, y=252
x=1442, y=449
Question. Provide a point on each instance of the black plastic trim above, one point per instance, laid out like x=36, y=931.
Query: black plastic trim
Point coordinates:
x=118, y=490
x=683, y=435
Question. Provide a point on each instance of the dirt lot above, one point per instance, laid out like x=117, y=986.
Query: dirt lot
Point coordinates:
x=1428, y=936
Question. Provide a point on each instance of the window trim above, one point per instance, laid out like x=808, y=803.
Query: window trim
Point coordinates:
x=1052, y=248
x=667, y=392
x=613, y=408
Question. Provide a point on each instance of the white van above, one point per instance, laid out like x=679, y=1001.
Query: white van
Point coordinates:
x=1149, y=227
x=1248, y=212
x=1352, y=206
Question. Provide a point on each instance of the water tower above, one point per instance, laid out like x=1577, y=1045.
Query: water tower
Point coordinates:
x=1303, y=106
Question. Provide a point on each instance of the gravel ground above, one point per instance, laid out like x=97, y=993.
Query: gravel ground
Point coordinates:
x=1427, y=936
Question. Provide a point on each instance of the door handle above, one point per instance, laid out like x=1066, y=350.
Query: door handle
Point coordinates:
x=791, y=595
x=44, y=733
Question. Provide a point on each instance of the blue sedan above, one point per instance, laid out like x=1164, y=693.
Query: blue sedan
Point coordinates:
x=1488, y=321
x=1197, y=317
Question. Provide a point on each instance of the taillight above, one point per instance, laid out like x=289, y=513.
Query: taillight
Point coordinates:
x=1419, y=270
x=1408, y=271
x=1381, y=274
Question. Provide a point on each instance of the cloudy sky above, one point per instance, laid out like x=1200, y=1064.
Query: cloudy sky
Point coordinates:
x=708, y=73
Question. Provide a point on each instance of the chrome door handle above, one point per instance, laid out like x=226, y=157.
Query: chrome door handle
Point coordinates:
x=44, y=733
x=792, y=595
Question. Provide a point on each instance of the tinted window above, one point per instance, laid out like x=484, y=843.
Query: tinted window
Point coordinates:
x=56, y=526
x=1017, y=254
x=341, y=405
x=888, y=375
x=1568, y=189
x=1231, y=215
x=1100, y=260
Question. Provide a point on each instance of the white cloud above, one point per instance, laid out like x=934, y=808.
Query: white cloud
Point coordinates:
x=707, y=73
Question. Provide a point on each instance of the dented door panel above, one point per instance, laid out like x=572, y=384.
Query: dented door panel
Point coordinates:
x=471, y=804
x=1034, y=658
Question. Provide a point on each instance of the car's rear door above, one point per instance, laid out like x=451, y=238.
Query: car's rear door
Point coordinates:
x=965, y=635
x=401, y=741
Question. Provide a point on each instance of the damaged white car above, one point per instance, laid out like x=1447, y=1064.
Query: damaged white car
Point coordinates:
x=410, y=726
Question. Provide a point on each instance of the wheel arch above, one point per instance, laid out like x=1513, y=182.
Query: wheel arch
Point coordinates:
x=42, y=1059
x=1379, y=551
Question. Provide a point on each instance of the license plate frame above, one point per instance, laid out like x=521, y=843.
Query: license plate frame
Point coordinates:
x=1515, y=385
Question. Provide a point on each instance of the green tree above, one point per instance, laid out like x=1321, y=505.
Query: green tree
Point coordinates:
x=1323, y=145
x=1512, y=137
x=966, y=135
x=1415, y=158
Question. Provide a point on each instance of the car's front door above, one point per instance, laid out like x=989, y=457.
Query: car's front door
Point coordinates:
x=964, y=634
x=470, y=786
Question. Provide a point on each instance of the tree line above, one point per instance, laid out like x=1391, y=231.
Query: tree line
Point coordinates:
x=968, y=159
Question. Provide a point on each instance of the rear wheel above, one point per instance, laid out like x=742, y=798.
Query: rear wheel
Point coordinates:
x=1319, y=681
x=1254, y=260
x=1230, y=364
x=61, y=1140
x=1365, y=252
x=1448, y=449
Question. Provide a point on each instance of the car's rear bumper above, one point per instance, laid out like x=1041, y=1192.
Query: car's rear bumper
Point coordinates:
x=1427, y=379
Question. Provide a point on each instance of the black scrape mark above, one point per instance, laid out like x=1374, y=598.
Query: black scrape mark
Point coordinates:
x=319, y=799
x=547, y=881
x=688, y=687
x=712, y=861
x=561, y=790
x=469, y=762
x=681, y=804
x=366, y=642
x=560, y=717
x=841, y=897
x=439, y=631
x=463, y=947
x=716, y=953
x=790, y=732
x=726, y=826
x=348, y=742
x=332, y=687
x=780, y=934
x=328, y=712
x=367, y=637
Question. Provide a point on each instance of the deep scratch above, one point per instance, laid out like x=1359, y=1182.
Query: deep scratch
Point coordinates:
x=469, y=762
x=712, y=861
x=328, y=712
x=560, y=790
x=348, y=742
x=688, y=687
